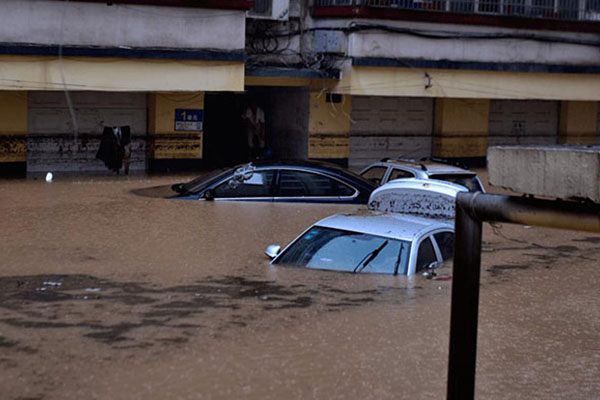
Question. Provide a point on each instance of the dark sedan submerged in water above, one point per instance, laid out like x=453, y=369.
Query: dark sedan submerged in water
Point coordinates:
x=283, y=181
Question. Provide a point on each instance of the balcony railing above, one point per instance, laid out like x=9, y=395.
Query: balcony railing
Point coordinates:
x=588, y=10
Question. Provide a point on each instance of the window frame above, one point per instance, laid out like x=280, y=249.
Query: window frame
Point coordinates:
x=386, y=172
x=412, y=266
x=391, y=171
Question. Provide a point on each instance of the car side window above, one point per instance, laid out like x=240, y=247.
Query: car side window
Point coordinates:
x=345, y=190
x=374, y=174
x=445, y=242
x=426, y=255
x=399, y=174
x=257, y=185
x=302, y=183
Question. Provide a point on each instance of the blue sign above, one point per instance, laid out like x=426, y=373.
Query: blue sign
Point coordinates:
x=188, y=119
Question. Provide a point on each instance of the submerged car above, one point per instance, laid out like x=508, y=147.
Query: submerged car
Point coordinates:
x=283, y=181
x=395, y=235
x=371, y=242
x=389, y=169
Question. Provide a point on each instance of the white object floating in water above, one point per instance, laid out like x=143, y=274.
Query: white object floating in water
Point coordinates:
x=49, y=177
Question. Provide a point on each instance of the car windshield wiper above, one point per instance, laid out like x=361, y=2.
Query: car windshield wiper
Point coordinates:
x=397, y=265
x=369, y=257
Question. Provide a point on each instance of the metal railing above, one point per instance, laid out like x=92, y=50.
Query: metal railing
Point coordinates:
x=588, y=10
x=471, y=210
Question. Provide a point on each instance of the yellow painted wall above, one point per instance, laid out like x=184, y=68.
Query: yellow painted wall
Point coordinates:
x=578, y=122
x=394, y=81
x=329, y=127
x=165, y=141
x=13, y=126
x=461, y=127
x=119, y=74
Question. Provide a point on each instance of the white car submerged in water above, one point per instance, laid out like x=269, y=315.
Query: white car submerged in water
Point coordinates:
x=407, y=228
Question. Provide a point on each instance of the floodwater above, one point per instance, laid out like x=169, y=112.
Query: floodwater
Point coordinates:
x=107, y=293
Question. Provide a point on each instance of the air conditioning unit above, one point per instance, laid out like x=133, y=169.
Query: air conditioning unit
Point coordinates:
x=278, y=10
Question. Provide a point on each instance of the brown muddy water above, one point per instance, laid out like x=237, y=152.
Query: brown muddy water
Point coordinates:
x=106, y=293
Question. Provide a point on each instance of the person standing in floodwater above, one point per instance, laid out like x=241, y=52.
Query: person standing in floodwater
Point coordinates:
x=254, y=118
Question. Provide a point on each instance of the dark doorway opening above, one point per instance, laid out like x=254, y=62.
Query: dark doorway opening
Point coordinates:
x=224, y=142
x=226, y=139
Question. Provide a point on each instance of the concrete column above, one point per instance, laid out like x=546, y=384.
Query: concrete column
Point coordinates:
x=167, y=142
x=286, y=115
x=13, y=126
x=329, y=126
x=461, y=127
x=578, y=122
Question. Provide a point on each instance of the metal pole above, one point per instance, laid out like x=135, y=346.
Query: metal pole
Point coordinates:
x=465, y=306
x=471, y=210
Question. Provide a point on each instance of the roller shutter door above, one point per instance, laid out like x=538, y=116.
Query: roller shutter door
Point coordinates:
x=523, y=122
x=389, y=127
x=51, y=142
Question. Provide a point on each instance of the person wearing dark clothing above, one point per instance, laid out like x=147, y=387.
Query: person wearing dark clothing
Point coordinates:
x=115, y=148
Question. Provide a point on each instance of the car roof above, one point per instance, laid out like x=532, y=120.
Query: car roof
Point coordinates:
x=428, y=167
x=392, y=225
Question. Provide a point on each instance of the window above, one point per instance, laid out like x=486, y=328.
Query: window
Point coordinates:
x=445, y=242
x=374, y=174
x=426, y=255
x=340, y=250
x=256, y=185
x=345, y=190
x=300, y=184
x=399, y=174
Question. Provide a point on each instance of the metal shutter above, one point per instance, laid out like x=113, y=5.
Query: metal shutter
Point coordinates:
x=389, y=127
x=523, y=122
x=51, y=143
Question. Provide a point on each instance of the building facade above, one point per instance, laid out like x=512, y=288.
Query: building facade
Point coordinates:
x=350, y=81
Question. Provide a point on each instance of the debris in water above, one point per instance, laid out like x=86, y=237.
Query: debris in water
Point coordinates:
x=92, y=289
x=49, y=177
x=52, y=283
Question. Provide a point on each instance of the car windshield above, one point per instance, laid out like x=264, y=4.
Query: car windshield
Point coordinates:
x=469, y=181
x=341, y=250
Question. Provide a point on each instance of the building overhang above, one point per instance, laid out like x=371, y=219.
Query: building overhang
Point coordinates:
x=363, y=78
x=475, y=65
x=225, y=4
x=119, y=74
x=26, y=49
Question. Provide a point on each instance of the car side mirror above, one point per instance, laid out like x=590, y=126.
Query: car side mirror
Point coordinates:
x=272, y=250
x=209, y=195
x=429, y=270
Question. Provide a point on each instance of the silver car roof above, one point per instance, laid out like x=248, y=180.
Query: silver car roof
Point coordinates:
x=394, y=226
